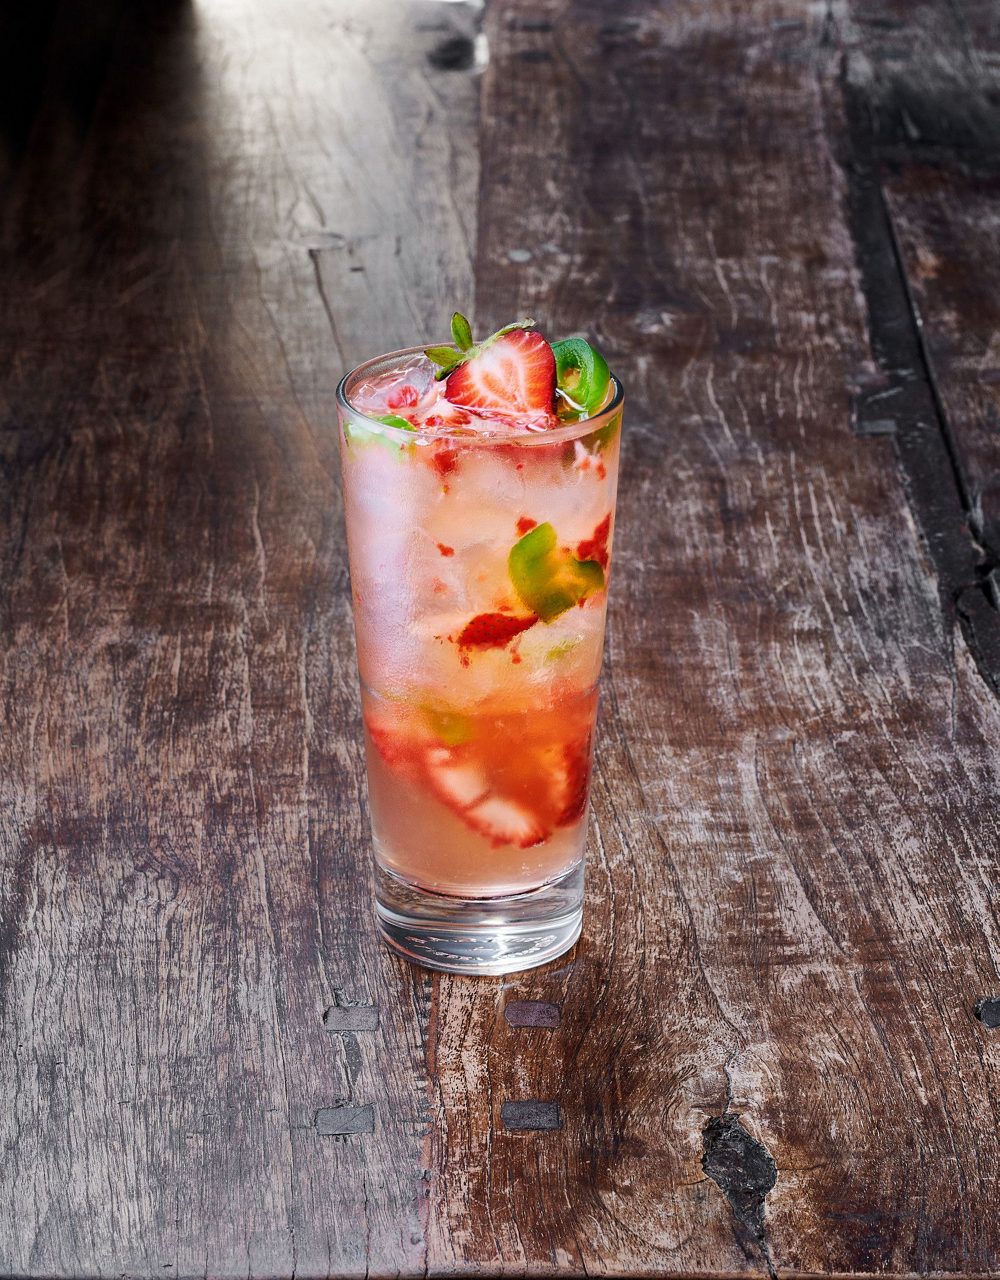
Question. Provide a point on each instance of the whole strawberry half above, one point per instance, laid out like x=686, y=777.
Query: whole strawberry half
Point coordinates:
x=511, y=372
x=516, y=373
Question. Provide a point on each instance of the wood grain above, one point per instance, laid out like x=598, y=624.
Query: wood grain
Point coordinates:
x=792, y=940
x=186, y=887
x=760, y=868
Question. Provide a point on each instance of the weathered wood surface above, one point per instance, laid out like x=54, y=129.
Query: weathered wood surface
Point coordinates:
x=925, y=160
x=763, y=1055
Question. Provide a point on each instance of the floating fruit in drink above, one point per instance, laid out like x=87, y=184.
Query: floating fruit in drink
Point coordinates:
x=479, y=486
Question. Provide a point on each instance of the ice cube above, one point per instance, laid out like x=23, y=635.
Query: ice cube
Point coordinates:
x=381, y=392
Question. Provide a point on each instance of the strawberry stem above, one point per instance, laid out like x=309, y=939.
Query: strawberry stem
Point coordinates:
x=449, y=358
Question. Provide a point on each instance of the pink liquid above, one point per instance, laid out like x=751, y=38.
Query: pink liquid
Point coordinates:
x=479, y=715
x=494, y=804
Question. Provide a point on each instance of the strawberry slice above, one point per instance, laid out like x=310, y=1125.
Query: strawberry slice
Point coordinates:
x=403, y=397
x=395, y=750
x=596, y=546
x=566, y=770
x=444, y=461
x=389, y=745
x=574, y=783
x=455, y=783
x=461, y=785
x=513, y=373
x=444, y=416
x=504, y=821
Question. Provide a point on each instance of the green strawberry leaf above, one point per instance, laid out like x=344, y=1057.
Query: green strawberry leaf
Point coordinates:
x=444, y=356
x=448, y=358
x=461, y=331
x=509, y=328
x=548, y=578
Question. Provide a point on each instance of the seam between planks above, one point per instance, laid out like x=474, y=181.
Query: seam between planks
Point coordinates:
x=936, y=486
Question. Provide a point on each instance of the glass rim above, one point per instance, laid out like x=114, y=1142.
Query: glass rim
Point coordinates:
x=533, y=439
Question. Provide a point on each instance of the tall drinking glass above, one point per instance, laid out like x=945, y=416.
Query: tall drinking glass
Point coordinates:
x=479, y=569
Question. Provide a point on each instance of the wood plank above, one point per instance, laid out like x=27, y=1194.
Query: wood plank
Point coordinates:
x=946, y=222
x=799, y=765
x=923, y=138
x=185, y=885
x=792, y=899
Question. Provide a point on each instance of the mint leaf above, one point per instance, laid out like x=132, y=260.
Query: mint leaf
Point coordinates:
x=461, y=331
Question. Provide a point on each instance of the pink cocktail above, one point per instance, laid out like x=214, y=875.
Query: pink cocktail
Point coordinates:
x=480, y=515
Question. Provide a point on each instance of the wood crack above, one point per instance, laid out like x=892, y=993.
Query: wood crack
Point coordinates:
x=906, y=403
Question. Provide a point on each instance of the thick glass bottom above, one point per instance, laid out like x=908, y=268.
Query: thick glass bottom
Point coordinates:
x=480, y=935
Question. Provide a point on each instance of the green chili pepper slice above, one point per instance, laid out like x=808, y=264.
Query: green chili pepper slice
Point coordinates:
x=582, y=373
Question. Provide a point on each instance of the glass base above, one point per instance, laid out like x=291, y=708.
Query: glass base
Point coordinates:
x=480, y=935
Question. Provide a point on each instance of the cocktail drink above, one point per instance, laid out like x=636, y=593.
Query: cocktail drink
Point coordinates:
x=479, y=487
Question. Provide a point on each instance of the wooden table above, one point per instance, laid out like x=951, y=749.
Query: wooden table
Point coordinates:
x=781, y=221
